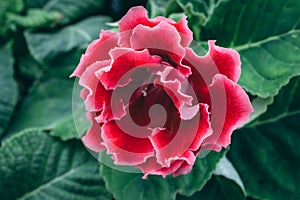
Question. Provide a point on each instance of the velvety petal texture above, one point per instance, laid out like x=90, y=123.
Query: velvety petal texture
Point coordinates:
x=152, y=102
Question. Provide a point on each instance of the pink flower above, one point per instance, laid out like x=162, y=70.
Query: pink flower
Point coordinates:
x=152, y=101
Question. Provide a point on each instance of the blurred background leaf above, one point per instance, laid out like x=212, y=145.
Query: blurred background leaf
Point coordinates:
x=46, y=47
x=9, y=90
x=70, y=10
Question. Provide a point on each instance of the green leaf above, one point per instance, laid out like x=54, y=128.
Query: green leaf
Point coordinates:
x=64, y=64
x=71, y=10
x=65, y=129
x=8, y=6
x=8, y=92
x=197, y=12
x=218, y=188
x=35, y=18
x=266, y=153
x=266, y=34
x=131, y=185
x=286, y=104
x=157, y=8
x=35, y=3
x=162, y=7
x=226, y=169
x=201, y=173
x=16, y=6
x=47, y=47
x=27, y=65
x=34, y=165
x=198, y=6
x=260, y=106
x=47, y=104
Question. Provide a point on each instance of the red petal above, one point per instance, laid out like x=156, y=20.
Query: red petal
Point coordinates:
x=97, y=51
x=185, y=33
x=123, y=157
x=125, y=148
x=92, y=139
x=138, y=16
x=152, y=167
x=185, y=168
x=162, y=40
x=123, y=61
x=227, y=60
x=173, y=146
x=218, y=60
x=204, y=129
x=230, y=108
x=84, y=93
x=108, y=114
x=97, y=95
x=187, y=138
x=175, y=85
x=135, y=16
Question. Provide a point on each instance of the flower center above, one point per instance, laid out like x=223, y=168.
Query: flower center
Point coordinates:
x=143, y=99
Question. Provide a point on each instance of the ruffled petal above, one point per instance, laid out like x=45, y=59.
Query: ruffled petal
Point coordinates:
x=139, y=16
x=124, y=60
x=175, y=85
x=162, y=40
x=92, y=139
x=135, y=16
x=204, y=128
x=97, y=51
x=186, y=34
x=151, y=167
x=84, y=93
x=218, y=60
x=126, y=149
x=185, y=168
x=230, y=109
x=170, y=146
x=97, y=94
x=227, y=60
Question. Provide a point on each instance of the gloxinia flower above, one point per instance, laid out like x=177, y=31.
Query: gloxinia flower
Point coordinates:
x=153, y=103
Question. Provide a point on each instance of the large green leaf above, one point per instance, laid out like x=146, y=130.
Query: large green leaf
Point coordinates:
x=46, y=47
x=267, y=153
x=8, y=92
x=226, y=169
x=285, y=104
x=201, y=173
x=46, y=105
x=131, y=185
x=71, y=10
x=266, y=33
x=218, y=188
x=34, y=165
